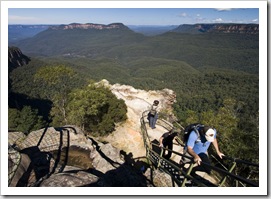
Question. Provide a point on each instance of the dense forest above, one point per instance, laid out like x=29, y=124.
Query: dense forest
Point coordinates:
x=215, y=77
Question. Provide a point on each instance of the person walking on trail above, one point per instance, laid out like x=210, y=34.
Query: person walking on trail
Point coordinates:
x=197, y=146
x=166, y=141
x=153, y=114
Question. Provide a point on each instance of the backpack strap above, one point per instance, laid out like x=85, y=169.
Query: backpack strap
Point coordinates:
x=196, y=129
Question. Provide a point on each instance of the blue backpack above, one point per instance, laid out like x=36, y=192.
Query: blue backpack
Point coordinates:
x=189, y=129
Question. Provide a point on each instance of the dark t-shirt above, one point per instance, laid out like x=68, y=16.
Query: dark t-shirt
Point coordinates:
x=168, y=138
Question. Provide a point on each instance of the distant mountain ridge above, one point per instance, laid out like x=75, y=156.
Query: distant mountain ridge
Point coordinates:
x=19, y=32
x=79, y=39
x=218, y=28
x=219, y=45
x=89, y=26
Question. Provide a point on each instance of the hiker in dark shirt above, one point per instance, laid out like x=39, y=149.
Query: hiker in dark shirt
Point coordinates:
x=166, y=141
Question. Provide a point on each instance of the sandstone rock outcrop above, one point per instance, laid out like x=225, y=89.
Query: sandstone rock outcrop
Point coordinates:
x=65, y=156
x=110, y=166
x=89, y=26
x=218, y=28
x=127, y=136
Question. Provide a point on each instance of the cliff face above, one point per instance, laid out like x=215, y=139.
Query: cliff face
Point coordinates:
x=90, y=26
x=218, y=28
x=16, y=58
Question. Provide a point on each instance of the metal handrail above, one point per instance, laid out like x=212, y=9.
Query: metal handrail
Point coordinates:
x=241, y=161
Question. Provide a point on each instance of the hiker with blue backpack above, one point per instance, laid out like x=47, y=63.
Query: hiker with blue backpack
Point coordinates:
x=197, y=139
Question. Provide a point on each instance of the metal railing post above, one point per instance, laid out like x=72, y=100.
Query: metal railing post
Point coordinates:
x=188, y=173
x=160, y=158
x=225, y=177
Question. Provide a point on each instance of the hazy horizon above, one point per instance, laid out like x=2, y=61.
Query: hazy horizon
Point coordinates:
x=126, y=24
x=132, y=16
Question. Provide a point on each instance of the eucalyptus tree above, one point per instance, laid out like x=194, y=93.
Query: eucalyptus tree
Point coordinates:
x=95, y=109
x=56, y=82
x=25, y=120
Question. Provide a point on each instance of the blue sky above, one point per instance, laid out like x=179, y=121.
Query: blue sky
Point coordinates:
x=132, y=16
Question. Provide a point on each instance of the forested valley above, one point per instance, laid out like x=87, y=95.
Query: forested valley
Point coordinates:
x=215, y=77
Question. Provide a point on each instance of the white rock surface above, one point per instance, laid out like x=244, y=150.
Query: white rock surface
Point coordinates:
x=128, y=136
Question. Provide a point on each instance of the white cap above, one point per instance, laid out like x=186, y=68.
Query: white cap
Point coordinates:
x=210, y=135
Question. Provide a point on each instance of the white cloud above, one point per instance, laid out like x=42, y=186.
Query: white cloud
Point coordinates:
x=255, y=20
x=218, y=20
x=199, y=18
x=223, y=9
x=20, y=19
x=183, y=14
